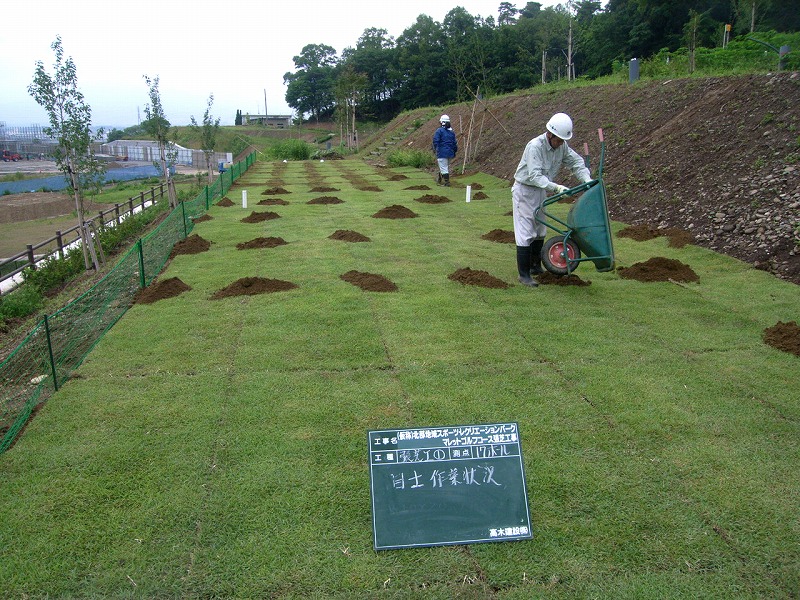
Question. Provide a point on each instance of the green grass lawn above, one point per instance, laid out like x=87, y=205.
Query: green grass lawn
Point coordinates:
x=217, y=448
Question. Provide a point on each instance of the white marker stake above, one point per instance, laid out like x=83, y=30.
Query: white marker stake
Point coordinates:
x=469, y=193
x=244, y=198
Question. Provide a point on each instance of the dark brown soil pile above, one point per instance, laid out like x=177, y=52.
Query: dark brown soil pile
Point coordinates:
x=431, y=199
x=659, y=268
x=476, y=186
x=202, y=219
x=253, y=286
x=260, y=217
x=398, y=177
x=348, y=236
x=193, y=244
x=548, y=278
x=169, y=288
x=418, y=187
x=502, y=236
x=370, y=188
x=273, y=202
x=784, y=336
x=323, y=188
x=325, y=200
x=261, y=242
x=225, y=202
x=678, y=238
x=395, y=211
x=274, y=191
x=480, y=278
x=479, y=196
x=369, y=282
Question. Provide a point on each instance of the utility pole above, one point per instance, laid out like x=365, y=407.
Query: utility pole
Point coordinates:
x=265, y=106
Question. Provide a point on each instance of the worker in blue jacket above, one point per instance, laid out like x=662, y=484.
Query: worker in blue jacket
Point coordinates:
x=445, y=146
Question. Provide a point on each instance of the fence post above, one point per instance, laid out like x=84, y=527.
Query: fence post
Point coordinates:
x=183, y=213
x=141, y=198
x=102, y=219
x=130, y=206
x=50, y=353
x=31, y=260
x=116, y=212
x=60, y=243
x=140, y=252
x=208, y=205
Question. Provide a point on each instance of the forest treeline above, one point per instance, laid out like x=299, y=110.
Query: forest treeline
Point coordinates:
x=434, y=63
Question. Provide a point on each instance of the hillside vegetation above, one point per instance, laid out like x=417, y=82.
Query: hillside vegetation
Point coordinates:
x=718, y=157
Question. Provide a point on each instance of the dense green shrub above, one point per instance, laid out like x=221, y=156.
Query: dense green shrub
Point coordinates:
x=291, y=150
x=21, y=302
x=55, y=271
x=418, y=159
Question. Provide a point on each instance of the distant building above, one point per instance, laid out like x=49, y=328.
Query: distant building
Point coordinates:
x=278, y=121
x=147, y=151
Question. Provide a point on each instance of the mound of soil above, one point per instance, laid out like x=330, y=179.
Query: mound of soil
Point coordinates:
x=502, y=236
x=715, y=156
x=169, y=288
x=467, y=276
x=253, y=286
x=275, y=191
x=369, y=282
x=431, y=199
x=548, y=278
x=273, y=202
x=659, y=268
x=325, y=200
x=479, y=196
x=370, y=188
x=395, y=211
x=348, y=236
x=323, y=188
x=418, y=187
x=476, y=186
x=261, y=242
x=260, y=217
x=397, y=177
x=205, y=217
x=193, y=244
x=784, y=336
x=678, y=238
x=225, y=202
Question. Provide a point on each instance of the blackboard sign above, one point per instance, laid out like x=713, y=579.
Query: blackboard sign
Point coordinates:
x=447, y=485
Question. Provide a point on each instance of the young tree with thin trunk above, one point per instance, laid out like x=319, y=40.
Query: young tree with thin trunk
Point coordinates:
x=70, y=123
x=157, y=126
x=208, y=134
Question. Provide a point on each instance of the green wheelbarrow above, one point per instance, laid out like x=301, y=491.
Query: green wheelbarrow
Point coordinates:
x=586, y=234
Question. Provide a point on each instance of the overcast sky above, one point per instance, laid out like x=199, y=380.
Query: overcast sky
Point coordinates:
x=234, y=50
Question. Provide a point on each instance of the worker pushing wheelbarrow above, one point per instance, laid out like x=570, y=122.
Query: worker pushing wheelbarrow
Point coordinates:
x=586, y=234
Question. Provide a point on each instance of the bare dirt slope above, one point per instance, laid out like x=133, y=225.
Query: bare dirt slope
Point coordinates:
x=717, y=157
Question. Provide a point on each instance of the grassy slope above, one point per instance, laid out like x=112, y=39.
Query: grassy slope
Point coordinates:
x=219, y=447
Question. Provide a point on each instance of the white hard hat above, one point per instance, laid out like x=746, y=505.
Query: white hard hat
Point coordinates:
x=444, y=119
x=560, y=125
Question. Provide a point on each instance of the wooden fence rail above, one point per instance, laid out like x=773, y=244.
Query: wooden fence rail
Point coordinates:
x=64, y=239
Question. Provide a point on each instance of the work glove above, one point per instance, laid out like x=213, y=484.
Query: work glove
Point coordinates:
x=560, y=189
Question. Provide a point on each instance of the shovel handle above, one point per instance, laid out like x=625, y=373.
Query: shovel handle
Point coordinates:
x=600, y=134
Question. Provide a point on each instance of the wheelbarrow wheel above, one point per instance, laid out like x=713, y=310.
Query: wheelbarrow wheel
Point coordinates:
x=555, y=258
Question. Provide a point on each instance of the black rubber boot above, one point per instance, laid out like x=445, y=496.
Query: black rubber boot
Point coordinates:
x=524, y=266
x=439, y=180
x=536, y=257
x=447, y=180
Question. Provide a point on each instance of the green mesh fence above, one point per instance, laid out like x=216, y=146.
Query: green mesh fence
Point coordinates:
x=50, y=353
